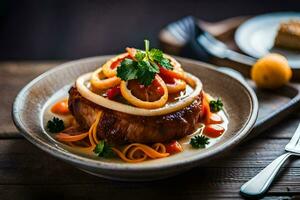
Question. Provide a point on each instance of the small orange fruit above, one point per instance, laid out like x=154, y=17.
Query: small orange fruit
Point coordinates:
x=272, y=71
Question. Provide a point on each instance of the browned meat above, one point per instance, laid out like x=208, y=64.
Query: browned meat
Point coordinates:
x=119, y=128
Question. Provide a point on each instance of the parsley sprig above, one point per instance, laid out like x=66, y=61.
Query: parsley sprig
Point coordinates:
x=145, y=65
x=199, y=141
x=216, y=106
x=103, y=149
x=55, y=125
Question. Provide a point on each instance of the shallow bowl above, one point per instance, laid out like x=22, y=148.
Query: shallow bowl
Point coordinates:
x=239, y=100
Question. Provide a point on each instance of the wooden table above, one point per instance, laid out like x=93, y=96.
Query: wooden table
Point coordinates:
x=29, y=173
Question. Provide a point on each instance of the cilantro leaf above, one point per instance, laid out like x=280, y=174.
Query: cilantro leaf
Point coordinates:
x=165, y=63
x=55, y=125
x=147, y=46
x=104, y=150
x=146, y=73
x=139, y=55
x=127, y=70
x=156, y=54
x=144, y=67
x=199, y=141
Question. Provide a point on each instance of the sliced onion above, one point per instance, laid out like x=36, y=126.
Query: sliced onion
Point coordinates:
x=105, y=83
x=174, y=62
x=177, y=86
x=107, y=70
x=126, y=93
x=131, y=52
x=113, y=105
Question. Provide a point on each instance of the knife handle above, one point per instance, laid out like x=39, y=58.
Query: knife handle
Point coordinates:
x=260, y=183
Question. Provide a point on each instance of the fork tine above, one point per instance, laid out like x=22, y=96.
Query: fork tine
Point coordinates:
x=295, y=139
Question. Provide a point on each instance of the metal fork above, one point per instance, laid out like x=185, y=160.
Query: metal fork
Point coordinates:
x=260, y=183
x=186, y=29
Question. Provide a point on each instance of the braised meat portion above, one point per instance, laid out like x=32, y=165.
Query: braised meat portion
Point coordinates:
x=121, y=128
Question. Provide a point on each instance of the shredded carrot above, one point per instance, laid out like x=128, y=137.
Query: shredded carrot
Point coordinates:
x=70, y=138
x=160, y=147
x=123, y=157
x=132, y=153
x=137, y=152
x=85, y=149
x=94, y=133
x=91, y=134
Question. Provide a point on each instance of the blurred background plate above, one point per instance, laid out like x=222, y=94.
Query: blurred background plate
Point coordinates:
x=256, y=36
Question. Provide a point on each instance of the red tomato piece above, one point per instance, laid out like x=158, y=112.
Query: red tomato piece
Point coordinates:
x=159, y=89
x=173, y=147
x=215, y=119
x=167, y=79
x=131, y=52
x=117, y=63
x=113, y=92
x=61, y=107
x=213, y=130
x=171, y=73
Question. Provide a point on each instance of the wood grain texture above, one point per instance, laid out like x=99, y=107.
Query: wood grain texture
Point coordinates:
x=13, y=77
x=29, y=172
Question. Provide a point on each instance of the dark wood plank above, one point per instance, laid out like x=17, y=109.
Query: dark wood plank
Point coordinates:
x=22, y=165
x=284, y=129
x=13, y=77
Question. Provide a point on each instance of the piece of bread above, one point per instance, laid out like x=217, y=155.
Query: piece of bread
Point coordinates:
x=288, y=35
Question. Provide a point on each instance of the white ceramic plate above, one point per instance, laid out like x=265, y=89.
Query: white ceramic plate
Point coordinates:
x=29, y=107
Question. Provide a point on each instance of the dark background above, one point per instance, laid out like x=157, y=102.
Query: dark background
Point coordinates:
x=74, y=29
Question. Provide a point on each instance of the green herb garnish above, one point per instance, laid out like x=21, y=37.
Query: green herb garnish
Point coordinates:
x=55, y=125
x=145, y=67
x=216, y=106
x=199, y=141
x=103, y=149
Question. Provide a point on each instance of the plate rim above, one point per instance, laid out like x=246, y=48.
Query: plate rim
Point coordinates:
x=88, y=162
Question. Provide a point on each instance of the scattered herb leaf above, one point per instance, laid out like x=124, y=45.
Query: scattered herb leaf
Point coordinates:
x=216, y=106
x=199, y=141
x=55, y=125
x=103, y=149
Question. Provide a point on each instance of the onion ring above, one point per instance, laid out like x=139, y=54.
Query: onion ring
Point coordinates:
x=113, y=105
x=107, y=70
x=177, y=86
x=103, y=84
x=126, y=93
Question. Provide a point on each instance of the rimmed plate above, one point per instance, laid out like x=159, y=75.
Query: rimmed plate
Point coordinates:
x=28, y=111
x=256, y=36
